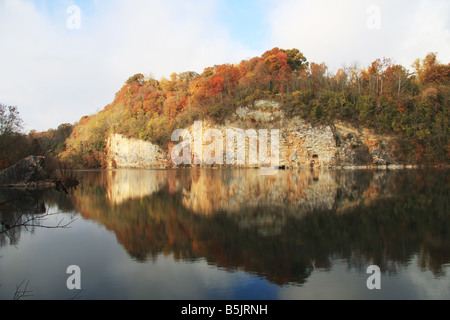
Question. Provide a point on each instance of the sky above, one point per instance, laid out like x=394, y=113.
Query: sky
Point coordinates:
x=63, y=59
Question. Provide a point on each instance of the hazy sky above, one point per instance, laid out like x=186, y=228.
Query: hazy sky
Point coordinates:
x=63, y=59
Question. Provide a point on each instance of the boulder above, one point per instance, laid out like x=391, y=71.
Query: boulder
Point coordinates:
x=24, y=172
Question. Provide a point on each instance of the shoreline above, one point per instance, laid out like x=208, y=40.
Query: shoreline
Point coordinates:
x=47, y=184
x=281, y=168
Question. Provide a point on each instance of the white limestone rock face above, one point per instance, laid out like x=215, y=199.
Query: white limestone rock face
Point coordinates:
x=261, y=111
x=301, y=143
x=134, y=153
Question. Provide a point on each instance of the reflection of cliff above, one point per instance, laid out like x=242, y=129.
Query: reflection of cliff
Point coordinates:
x=237, y=192
x=279, y=227
x=210, y=191
x=133, y=184
x=299, y=191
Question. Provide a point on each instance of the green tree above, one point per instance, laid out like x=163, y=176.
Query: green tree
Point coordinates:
x=296, y=59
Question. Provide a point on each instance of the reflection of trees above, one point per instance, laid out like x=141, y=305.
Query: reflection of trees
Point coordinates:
x=24, y=209
x=386, y=219
x=18, y=208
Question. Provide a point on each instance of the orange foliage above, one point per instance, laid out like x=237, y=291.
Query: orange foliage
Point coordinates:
x=438, y=74
x=216, y=85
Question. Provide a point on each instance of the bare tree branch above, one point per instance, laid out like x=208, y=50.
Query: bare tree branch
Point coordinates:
x=33, y=221
x=22, y=292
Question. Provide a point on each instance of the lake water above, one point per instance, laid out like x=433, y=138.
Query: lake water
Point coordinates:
x=232, y=234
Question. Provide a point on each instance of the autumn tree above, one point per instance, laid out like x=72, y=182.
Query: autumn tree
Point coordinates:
x=340, y=80
x=317, y=75
x=278, y=67
x=396, y=77
x=296, y=59
x=12, y=142
x=10, y=121
x=137, y=78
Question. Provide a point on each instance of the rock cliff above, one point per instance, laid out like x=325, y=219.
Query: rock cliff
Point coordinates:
x=301, y=144
x=133, y=153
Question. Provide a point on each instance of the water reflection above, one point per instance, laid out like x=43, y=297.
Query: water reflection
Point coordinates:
x=280, y=227
x=16, y=207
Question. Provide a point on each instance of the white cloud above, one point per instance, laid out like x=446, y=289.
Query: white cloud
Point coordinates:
x=57, y=75
x=428, y=30
x=337, y=32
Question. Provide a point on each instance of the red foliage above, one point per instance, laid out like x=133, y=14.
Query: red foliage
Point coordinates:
x=84, y=120
x=437, y=74
x=183, y=103
x=216, y=85
x=419, y=151
x=97, y=159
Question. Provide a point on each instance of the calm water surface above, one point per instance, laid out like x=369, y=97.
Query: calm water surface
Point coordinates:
x=233, y=234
